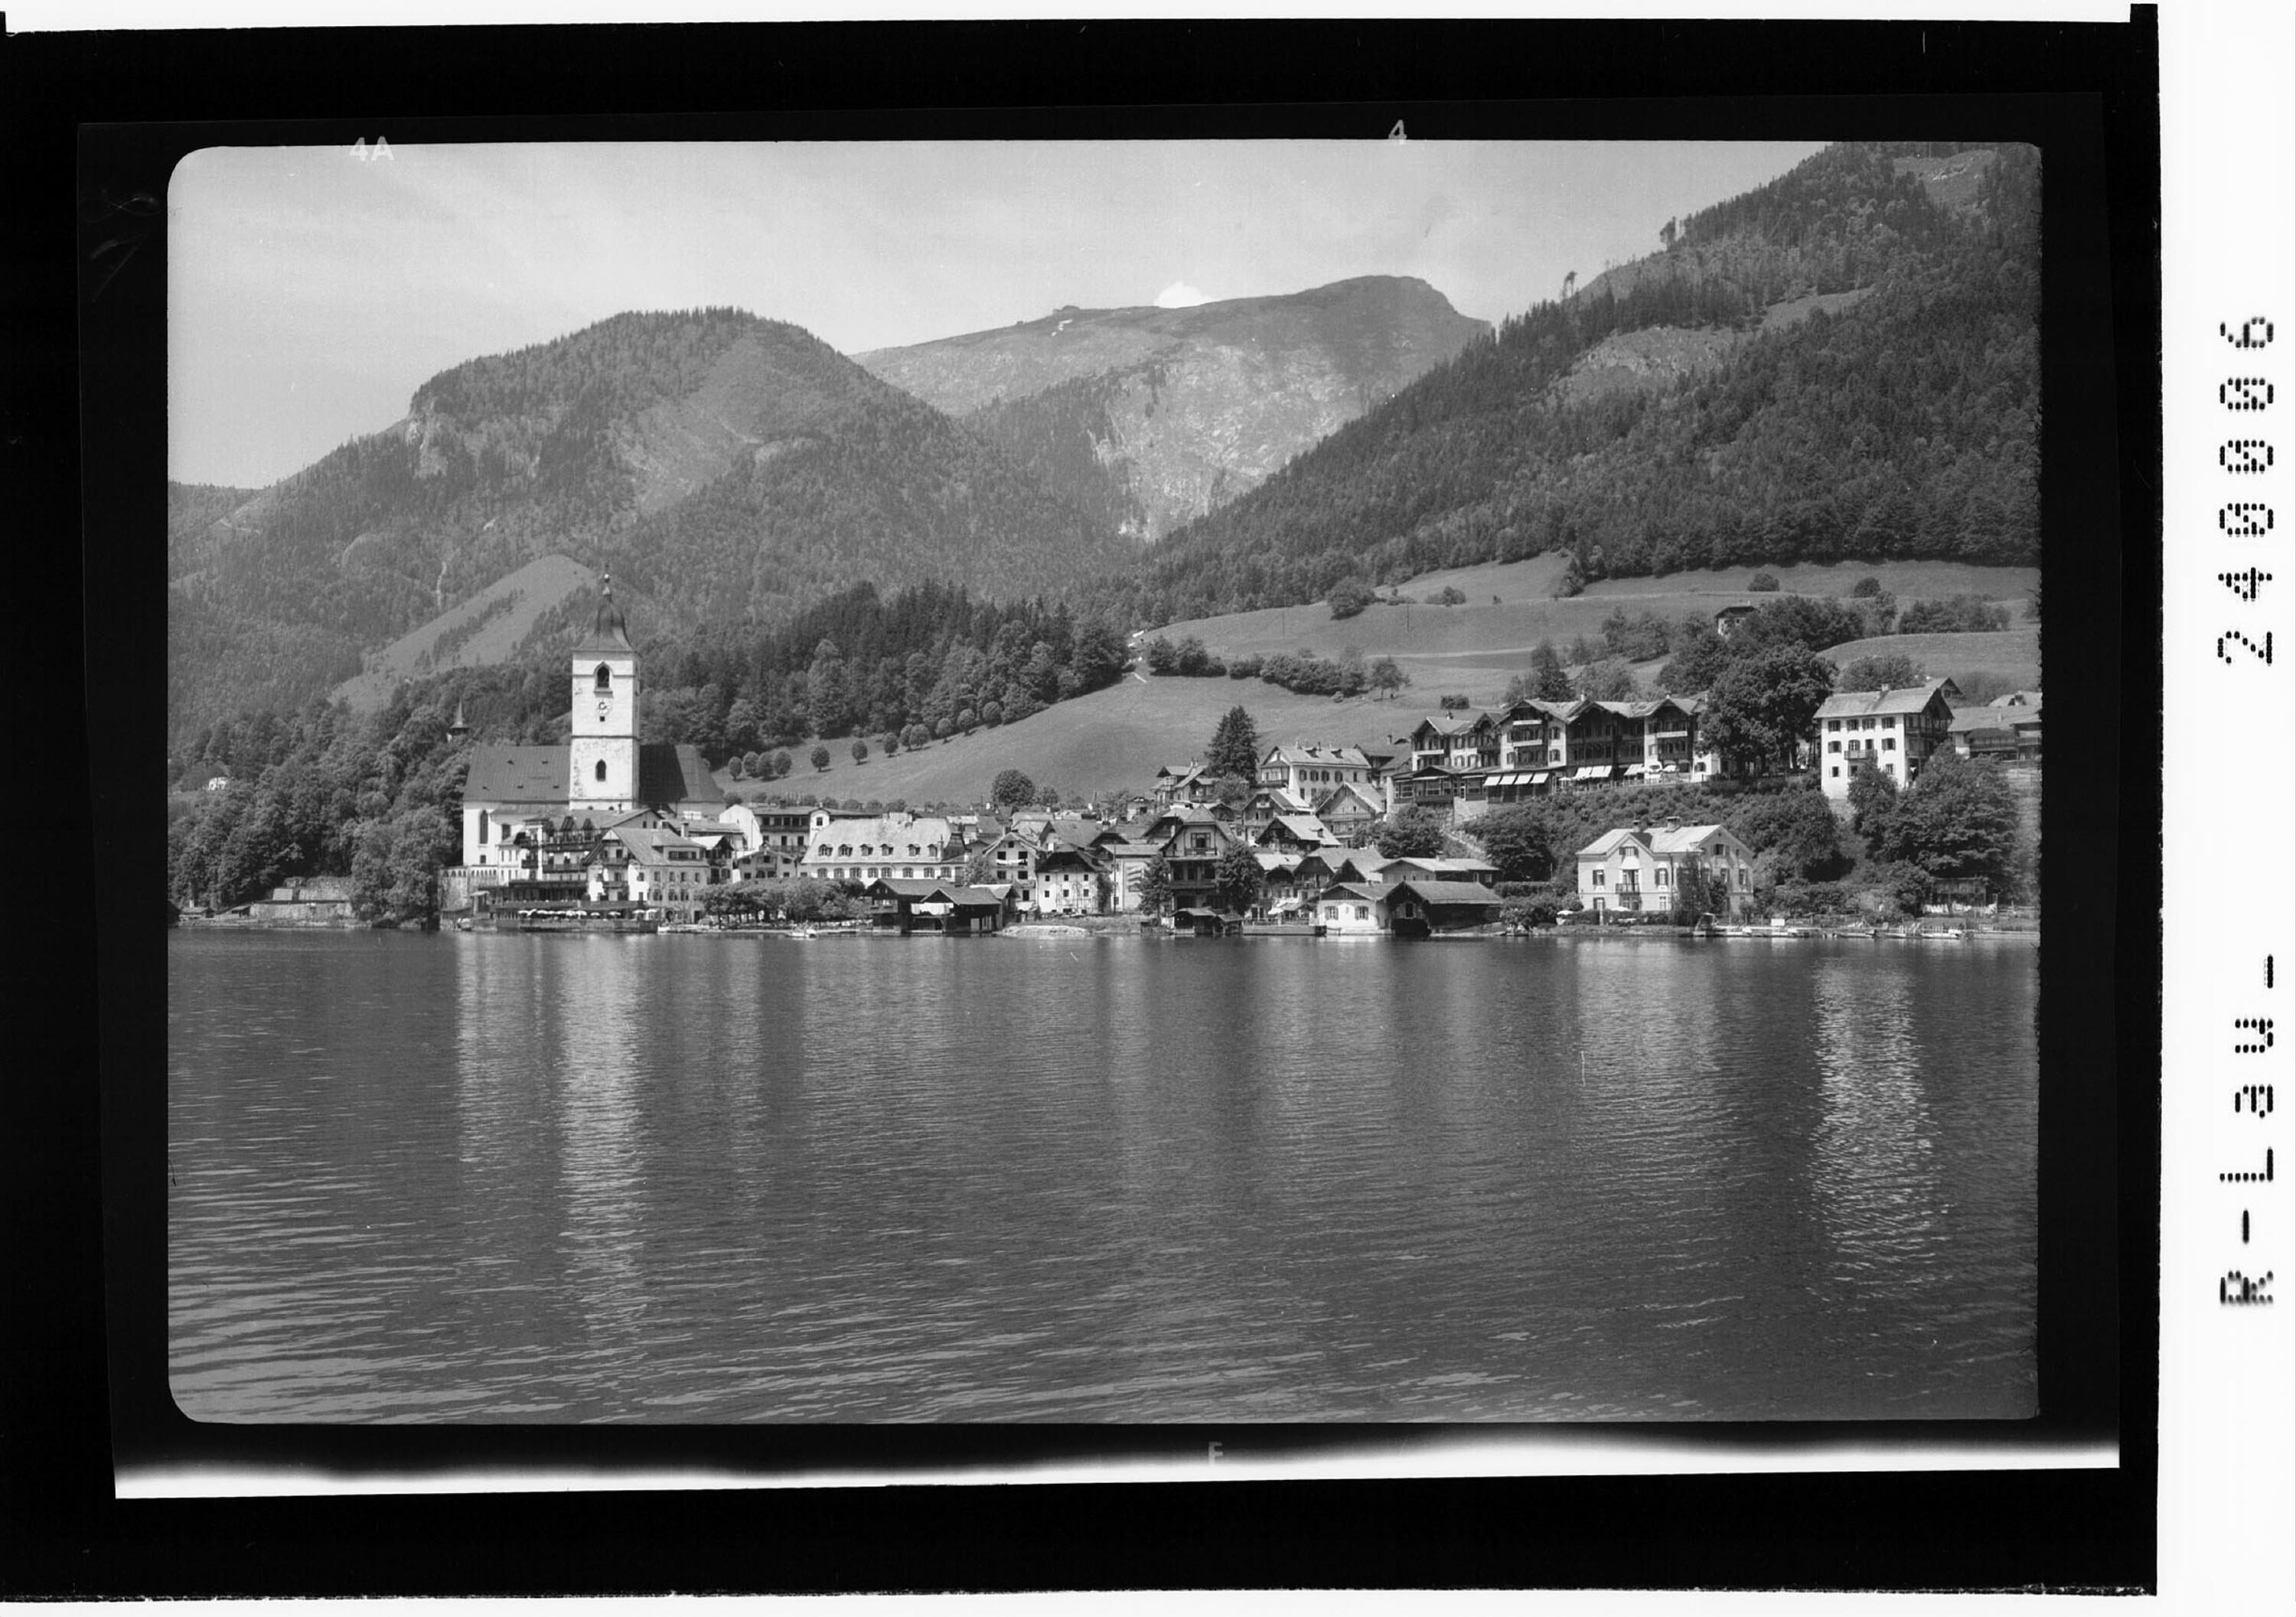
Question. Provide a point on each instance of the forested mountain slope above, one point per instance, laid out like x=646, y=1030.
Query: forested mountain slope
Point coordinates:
x=1859, y=377
x=1146, y=417
x=727, y=467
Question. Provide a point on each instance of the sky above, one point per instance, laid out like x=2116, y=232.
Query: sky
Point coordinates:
x=312, y=290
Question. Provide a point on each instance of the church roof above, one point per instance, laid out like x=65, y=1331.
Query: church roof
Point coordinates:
x=609, y=630
x=513, y=772
x=672, y=772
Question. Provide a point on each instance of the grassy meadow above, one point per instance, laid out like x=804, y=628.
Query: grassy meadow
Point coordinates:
x=1113, y=740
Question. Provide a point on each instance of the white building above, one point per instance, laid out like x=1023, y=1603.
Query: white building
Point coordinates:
x=1892, y=731
x=1634, y=870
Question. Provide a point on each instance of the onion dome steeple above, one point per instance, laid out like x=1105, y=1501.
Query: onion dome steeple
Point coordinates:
x=609, y=630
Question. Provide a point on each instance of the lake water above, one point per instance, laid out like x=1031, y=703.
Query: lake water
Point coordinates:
x=734, y=1178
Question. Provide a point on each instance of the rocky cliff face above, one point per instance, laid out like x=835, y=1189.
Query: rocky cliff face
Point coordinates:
x=1144, y=418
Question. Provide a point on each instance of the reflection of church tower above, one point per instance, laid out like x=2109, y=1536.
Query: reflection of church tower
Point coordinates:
x=602, y=763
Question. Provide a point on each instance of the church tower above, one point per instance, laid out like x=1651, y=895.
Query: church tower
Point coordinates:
x=602, y=763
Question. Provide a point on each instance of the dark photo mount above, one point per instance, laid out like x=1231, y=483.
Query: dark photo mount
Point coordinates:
x=111, y=114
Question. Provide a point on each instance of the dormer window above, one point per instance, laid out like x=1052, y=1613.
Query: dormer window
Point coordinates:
x=603, y=680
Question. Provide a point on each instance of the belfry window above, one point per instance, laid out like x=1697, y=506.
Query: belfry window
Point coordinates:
x=604, y=678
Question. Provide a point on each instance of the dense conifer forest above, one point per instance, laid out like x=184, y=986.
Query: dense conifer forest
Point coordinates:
x=1906, y=426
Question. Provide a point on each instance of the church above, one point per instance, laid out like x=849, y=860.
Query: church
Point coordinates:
x=520, y=797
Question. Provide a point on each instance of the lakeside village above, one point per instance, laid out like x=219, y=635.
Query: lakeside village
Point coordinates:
x=607, y=832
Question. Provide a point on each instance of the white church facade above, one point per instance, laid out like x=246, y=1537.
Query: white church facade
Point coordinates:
x=527, y=808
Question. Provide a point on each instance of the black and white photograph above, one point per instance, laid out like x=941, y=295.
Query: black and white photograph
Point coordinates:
x=1105, y=781
x=960, y=808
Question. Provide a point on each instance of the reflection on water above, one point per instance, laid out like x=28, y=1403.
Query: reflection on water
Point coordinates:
x=708, y=1178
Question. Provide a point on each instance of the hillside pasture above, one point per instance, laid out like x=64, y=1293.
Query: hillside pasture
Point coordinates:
x=1112, y=741
x=478, y=633
x=1472, y=649
x=2014, y=654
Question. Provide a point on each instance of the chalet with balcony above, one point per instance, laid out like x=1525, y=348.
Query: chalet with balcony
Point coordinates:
x=1891, y=731
x=1634, y=870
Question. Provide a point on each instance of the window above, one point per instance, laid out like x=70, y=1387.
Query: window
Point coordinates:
x=601, y=769
x=1602, y=877
x=1833, y=724
x=1888, y=723
x=604, y=678
x=1834, y=746
x=1362, y=911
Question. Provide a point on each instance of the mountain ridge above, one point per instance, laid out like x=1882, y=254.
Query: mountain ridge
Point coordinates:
x=1146, y=416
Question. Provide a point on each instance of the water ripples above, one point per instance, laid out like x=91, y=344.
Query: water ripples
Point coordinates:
x=718, y=1179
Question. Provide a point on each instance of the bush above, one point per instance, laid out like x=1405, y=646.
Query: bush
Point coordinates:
x=1450, y=596
x=1964, y=614
x=1867, y=586
x=1243, y=668
x=1349, y=596
x=1762, y=582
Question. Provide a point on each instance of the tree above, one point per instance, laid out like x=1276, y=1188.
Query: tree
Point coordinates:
x=1238, y=880
x=1761, y=583
x=1550, y=681
x=1411, y=832
x=782, y=764
x=1959, y=818
x=1235, y=748
x=1607, y=679
x=1387, y=676
x=890, y=743
x=820, y=757
x=1450, y=595
x=1760, y=706
x=1866, y=586
x=1349, y=596
x=860, y=750
x=1516, y=839
x=1154, y=889
x=981, y=865
x=1699, y=891
x=1795, y=832
x=1011, y=789
x=1873, y=798
x=1048, y=797
x=1573, y=580
x=1894, y=671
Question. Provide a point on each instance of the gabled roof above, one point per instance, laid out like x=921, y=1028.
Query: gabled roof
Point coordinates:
x=1900, y=699
x=1603, y=846
x=1434, y=892
x=651, y=847
x=509, y=772
x=1441, y=865
x=1316, y=757
x=1346, y=788
x=1353, y=889
x=1305, y=827
x=2016, y=699
x=1683, y=839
